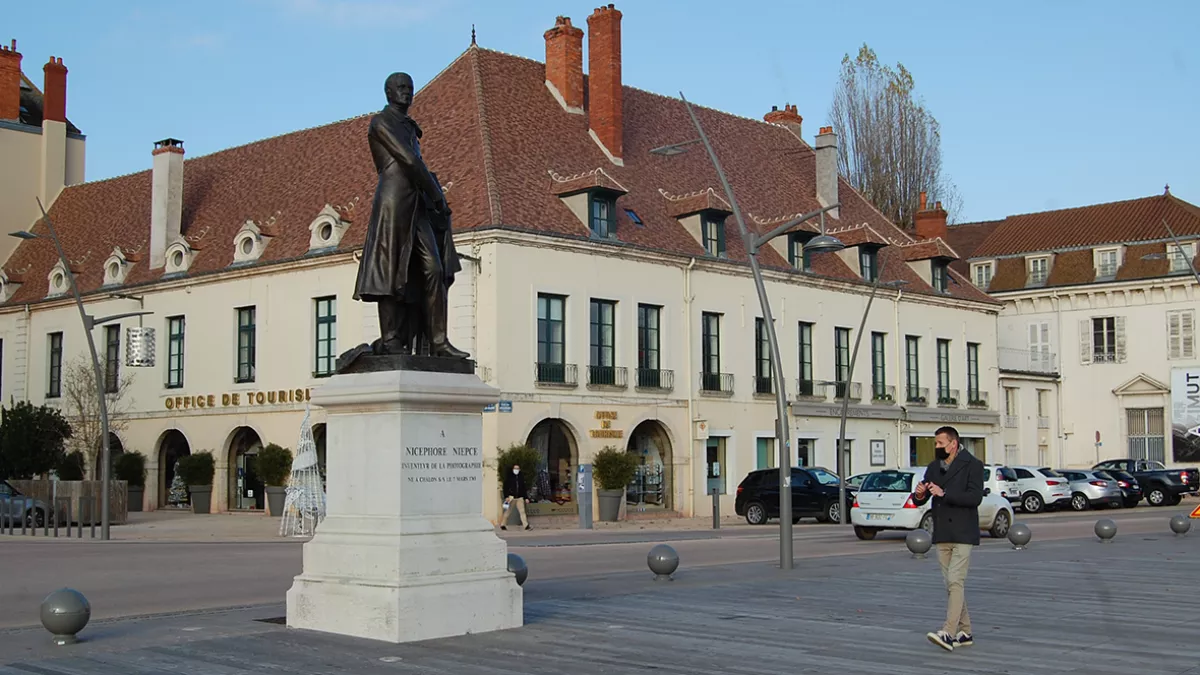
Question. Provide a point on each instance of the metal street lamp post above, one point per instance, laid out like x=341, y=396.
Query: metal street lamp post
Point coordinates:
x=752, y=243
x=89, y=322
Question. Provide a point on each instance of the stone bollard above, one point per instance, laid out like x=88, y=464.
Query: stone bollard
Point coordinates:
x=516, y=565
x=1106, y=530
x=64, y=613
x=918, y=542
x=1019, y=534
x=1180, y=524
x=663, y=561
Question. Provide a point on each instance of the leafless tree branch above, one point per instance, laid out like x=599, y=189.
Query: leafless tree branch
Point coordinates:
x=83, y=407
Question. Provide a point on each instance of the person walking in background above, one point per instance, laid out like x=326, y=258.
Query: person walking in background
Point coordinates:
x=514, y=497
x=954, y=481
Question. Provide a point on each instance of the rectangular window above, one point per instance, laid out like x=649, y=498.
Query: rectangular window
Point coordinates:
x=1039, y=271
x=805, y=450
x=247, y=339
x=972, y=372
x=710, y=350
x=603, y=217
x=1181, y=261
x=551, y=338
x=762, y=358
x=798, y=256
x=1107, y=262
x=1145, y=433
x=602, y=342
x=712, y=231
x=1039, y=347
x=54, y=383
x=1104, y=339
x=983, y=275
x=112, y=358
x=765, y=448
x=1181, y=334
x=941, y=277
x=175, y=329
x=878, y=365
x=841, y=361
x=912, y=365
x=1043, y=455
x=1012, y=455
x=807, y=386
x=649, y=338
x=326, y=346
x=943, y=369
x=867, y=266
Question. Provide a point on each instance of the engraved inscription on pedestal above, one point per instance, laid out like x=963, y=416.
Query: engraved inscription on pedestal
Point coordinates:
x=442, y=465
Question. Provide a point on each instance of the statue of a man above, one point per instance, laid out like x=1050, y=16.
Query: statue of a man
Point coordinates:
x=408, y=260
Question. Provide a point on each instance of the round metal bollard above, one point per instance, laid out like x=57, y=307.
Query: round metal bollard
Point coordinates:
x=64, y=613
x=1019, y=534
x=1180, y=524
x=918, y=542
x=516, y=565
x=663, y=561
x=1106, y=530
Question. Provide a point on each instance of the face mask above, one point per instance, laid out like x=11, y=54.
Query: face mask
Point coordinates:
x=942, y=453
x=516, y=471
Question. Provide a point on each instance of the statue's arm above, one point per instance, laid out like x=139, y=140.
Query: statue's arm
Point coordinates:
x=409, y=161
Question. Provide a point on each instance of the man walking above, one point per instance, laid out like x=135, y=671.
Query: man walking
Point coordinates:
x=955, y=483
x=514, y=497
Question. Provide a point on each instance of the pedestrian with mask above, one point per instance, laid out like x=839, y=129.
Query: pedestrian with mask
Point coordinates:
x=954, y=481
x=514, y=497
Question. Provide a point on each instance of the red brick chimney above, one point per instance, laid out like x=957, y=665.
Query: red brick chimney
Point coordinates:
x=605, y=103
x=930, y=223
x=564, y=63
x=54, y=93
x=10, y=82
x=786, y=116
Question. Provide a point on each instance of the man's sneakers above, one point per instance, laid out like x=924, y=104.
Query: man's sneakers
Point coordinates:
x=964, y=639
x=942, y=639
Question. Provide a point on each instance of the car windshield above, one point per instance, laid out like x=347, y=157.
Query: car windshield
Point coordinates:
x=887, y=482
x=1007, y=473
x=824, y=477
x=1049, y=473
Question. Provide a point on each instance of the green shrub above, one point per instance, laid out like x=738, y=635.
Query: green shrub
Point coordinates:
x=518, y=454
x=131, y=468
x=274, y=465
x=612, y=468
x=197, y=468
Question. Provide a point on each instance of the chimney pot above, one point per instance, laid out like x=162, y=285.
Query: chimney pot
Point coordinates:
x=787, y=117
x=564, y=63
x=166, y=199
x=605, y=93
x=10, y=83
x=923, y=202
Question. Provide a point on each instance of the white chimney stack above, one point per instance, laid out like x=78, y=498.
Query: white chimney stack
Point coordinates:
x=166, y=199
x=827, y=169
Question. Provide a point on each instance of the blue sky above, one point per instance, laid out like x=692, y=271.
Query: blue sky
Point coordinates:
x=1042, y=104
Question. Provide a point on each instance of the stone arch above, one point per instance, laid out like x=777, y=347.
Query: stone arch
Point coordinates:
x=654, y=486
x=172, y=445
x=246, y=490
x=552, y=491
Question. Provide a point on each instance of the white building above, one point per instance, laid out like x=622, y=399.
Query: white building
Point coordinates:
x=605, y=290
x=1099, y=319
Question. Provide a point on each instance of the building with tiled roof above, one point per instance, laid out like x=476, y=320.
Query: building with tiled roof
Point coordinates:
x=605, y=288
x=1097, y=335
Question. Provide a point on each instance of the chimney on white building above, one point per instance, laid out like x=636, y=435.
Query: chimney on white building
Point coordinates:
x=827, y=169
x=166, y=199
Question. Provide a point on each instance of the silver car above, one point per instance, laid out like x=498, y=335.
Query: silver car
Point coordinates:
x=16, y=507
x=1092, y=488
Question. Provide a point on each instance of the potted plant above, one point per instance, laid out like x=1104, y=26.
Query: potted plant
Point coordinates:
x=612, y=470
x=131, y=468
x=197, y=470
x=274, y=467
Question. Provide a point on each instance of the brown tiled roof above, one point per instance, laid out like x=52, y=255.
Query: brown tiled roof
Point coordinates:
x=965, y=238
x=928, y=249
x=492, y=129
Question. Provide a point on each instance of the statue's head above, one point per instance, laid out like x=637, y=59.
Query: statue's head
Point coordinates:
x=399, y=89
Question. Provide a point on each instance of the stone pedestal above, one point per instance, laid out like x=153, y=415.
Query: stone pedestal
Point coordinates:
x=405, y=553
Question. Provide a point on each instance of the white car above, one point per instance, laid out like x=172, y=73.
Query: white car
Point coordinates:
x=884, y=502
x=1002, y=481
x=1041, y=487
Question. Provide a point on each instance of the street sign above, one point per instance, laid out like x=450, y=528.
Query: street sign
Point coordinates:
x=1196, y=512
x=505, y=406
x=491, y=407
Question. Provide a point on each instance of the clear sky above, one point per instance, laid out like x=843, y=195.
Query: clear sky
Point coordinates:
x=1043, y=104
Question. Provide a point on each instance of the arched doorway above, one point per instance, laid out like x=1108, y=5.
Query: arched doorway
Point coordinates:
x=652, y=488
x=552, y=491
x=171, y=447
x=245, y=487
x=115, y=449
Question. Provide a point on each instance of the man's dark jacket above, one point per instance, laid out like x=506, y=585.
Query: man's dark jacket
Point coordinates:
x=956, y=514
x=514, y=485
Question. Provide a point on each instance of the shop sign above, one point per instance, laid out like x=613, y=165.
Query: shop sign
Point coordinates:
x=238, y=398
x=606, y=418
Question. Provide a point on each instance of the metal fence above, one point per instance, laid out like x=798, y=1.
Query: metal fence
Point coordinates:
x=25, y=516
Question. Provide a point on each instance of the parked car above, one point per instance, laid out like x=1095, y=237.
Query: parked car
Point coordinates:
x=884, y=502
x=20, y=507
x=1162, y=486
x=855, y=481
x=1131, y=490
x=1003, y=481
x=814, y=495
x=1041, y=488
x=1092, y=488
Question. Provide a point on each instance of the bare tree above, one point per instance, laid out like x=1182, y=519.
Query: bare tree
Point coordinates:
x=83, y=407
x=890, y=147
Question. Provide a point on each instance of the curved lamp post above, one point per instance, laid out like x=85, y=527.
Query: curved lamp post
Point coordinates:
x=89, y=322
x=820, y=244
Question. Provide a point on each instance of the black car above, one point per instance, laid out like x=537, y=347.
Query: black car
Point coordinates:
x=1131, y=490
x=814, y=495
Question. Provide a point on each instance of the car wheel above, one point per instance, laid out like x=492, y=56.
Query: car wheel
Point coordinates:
x=756, y=514
x=1079, y=502
x=927, y=523
x=1156, y=497
x=35, y=518
x=1174, y=500
x=833, y=512
x=1032, y=503
x=865, y=533
x=1000, y=527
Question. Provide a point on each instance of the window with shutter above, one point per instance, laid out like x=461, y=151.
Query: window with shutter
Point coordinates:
x=1085, y=341
x=1120, y=330
x=1181, y=339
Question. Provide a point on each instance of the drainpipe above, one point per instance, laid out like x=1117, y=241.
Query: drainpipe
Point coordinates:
x=1060, y=436
x=691, y=424
x=898, y=341
x=28, y=337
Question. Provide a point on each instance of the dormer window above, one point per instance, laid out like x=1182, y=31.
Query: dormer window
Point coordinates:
x=798, y=256
x=868, y=262
x=603, y=219
x=1107, y=261
x=326, y=230
x=249, y=243
x=57, y=279
x=981, y=274
x=116, y=268
x=1181, y=262
x=712, y=234
x=179, y=258
x=1038, y=270
x=940, y=278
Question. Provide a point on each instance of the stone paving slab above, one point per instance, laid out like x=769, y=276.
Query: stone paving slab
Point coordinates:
x=1071, y=606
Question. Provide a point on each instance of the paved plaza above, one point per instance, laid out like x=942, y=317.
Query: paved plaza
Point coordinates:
x=1068, y=604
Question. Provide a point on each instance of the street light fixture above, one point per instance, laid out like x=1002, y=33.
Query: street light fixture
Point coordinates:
x=89, y=322
x=820, y=244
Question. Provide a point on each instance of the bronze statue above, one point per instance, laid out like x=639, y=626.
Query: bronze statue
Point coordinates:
x=409, y=260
